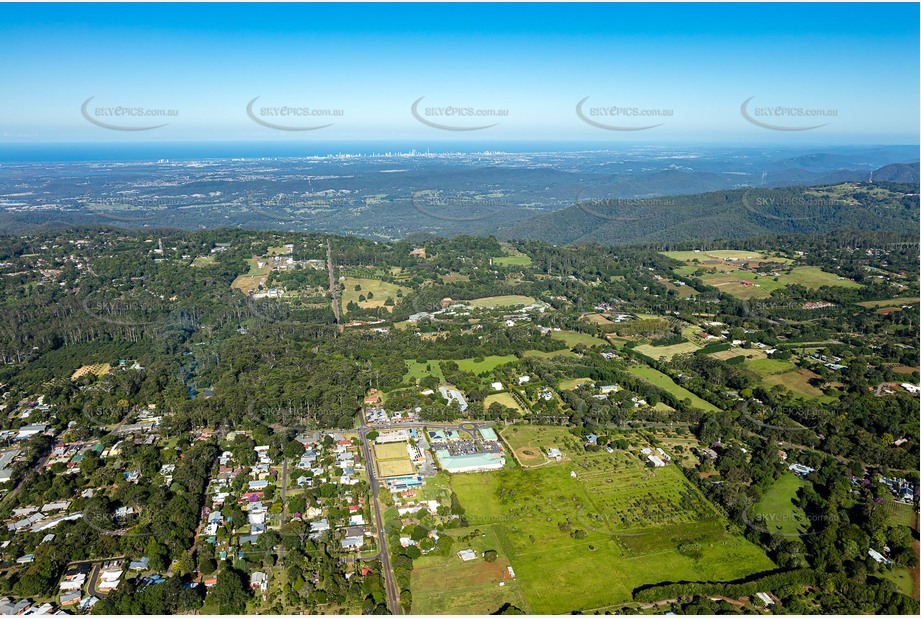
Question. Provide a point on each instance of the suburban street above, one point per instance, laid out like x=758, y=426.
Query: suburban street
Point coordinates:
x=393, y=593
x=284, y=508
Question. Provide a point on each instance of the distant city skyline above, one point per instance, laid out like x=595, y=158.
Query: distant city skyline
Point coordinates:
x=428, y=74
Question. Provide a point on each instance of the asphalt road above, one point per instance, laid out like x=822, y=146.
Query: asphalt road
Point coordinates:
x=393, y=593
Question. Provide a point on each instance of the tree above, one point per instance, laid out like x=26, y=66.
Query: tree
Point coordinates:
x=490, y=555
x=231, y=592
x=156, y=554
x=293, y=449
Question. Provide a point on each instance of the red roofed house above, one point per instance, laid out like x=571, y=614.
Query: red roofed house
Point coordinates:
x=373, y=397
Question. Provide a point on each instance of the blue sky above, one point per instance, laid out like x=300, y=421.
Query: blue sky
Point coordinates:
x=693, y=65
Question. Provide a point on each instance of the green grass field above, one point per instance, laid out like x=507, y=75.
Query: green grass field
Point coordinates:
x=512, y=260
x=690, y=256
x=488, y=364
x=572, y=338
x=797, y=381
x=729, y=274
x=490, y=302
x=257, y=274
x=380, y=289
x=775, y=511
x=903, y=580
x=813, y=277
x=571, y=384
x=204, y=260
x=415, y=369
x=764, y=367
x=448, y=585
x=640, y=526
x=891, y=302
x=505, y=399
x=729, y=283
x=540, y=354
x=657, y=378
x=668, y=351
x=901, y=514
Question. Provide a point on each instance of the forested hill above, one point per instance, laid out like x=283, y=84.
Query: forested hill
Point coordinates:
x=740, y=213
x=899, y=172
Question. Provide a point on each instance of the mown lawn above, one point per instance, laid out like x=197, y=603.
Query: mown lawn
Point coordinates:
x=418, y=370
x=768, y=366
x=776, y=511
x=512, y=260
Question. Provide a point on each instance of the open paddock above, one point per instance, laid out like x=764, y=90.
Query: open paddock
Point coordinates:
x=583, y=541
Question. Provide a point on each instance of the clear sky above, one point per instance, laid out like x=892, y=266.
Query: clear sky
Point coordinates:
x=693, y=65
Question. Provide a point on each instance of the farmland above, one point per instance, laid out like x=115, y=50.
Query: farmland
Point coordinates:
x=586, y=541
x=448, y=585
x=767, y=366
x=891, y=302
x=491, y=302
x=512, y=260
x=657, y=378
x=732, y=272
x=375, y=292
x=487, y=364
x=259, y=269
x=572, y=338
x=540, y=354
x=667, y=351
x=99, y=369
x=797, y=381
